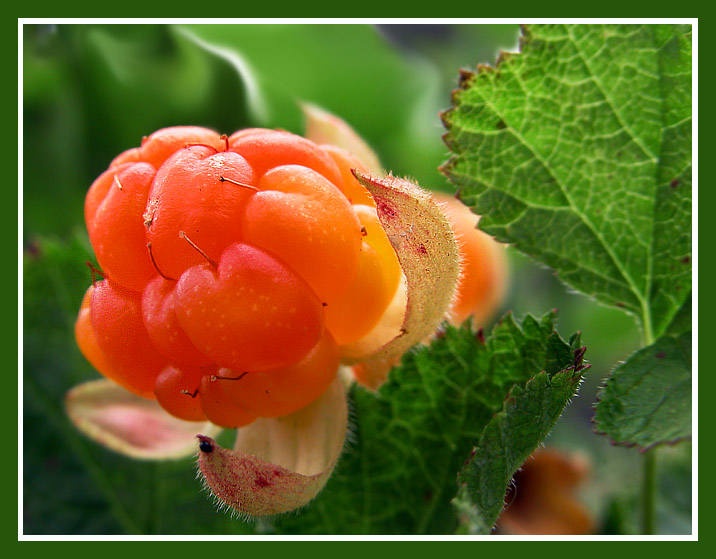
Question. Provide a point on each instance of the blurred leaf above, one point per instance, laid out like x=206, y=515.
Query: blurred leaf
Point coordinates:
x=673, y=503
x=618, y=518
x=409, y=440
x=647, y=400
x=454, y=46
x=578, y=152
x=352, y=71
x=152, y=74
x=321, y=64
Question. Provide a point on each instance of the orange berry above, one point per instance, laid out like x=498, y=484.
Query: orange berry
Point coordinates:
x=86, y=339
x=251, y=313
x=232, y=258
x=159, y=146
x=219, y=408
x=112, y=206
x=352, y=189
x=116, y=319
x=483, y=267
x=163, y=326
x=303, y=219
x=270, y=149
x=190, y=193
x=284, y=390
x=177, y=390
x=360, y=308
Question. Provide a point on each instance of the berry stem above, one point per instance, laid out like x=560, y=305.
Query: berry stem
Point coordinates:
x=154, y=262
x=94, y=271
x=237, y=183
x=188, y=240
x=242, y=375
x=199, y=144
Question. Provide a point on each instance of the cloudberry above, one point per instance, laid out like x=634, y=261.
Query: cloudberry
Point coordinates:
x=235, y=270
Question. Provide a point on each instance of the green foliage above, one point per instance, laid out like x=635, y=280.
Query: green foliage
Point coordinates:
x=578, y=152
x=530, y=411
x=410, y=439
x=647, y=400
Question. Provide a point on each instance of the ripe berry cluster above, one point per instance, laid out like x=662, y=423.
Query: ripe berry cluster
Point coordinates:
x=235, y=271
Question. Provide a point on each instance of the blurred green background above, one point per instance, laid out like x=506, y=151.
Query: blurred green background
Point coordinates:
x=92, y=91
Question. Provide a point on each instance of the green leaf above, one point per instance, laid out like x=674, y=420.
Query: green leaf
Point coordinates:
x=410, y=439
x=578, y=152
x=646, y=401
x=529, y=413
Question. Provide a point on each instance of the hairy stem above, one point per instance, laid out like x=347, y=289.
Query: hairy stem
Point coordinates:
x=648, y=462
x=648, y=492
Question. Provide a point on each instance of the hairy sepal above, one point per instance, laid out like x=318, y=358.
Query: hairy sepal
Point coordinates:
x=278, y=464
x=136, y=427
x=428, y=253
